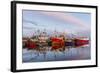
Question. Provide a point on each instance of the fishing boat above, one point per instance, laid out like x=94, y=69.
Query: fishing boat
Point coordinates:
x=69, y=43
x=77, y=42
x=57, y=43
x=81, y=41
x=31, y=44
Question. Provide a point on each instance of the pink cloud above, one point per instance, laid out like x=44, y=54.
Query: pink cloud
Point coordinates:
x=68, y=18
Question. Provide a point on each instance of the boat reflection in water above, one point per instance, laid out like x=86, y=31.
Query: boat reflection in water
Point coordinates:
x=55, y=49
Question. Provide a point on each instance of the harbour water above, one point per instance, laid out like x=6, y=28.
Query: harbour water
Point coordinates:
x=79, y=53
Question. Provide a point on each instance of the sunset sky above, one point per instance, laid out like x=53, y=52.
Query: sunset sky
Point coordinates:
x=71, y=22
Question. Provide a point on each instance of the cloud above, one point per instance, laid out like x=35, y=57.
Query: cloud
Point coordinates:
x=68, y=18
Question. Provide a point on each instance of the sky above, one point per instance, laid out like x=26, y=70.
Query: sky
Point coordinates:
x=70, y=22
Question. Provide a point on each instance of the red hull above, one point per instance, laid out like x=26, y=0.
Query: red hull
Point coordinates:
x=80, y=42
x=57, y=43
x=31, y=45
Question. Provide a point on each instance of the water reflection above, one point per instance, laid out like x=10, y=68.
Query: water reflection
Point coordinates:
x=45, y=54
x=43, y=48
